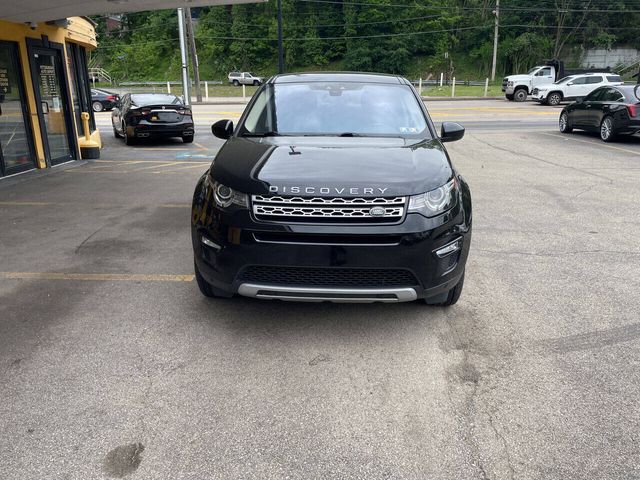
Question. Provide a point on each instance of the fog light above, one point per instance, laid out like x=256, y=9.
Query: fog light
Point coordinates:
x=210, y=243
x=449, y=248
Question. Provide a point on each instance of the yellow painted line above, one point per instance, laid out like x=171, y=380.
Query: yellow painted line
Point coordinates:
x=179, y=169
x=535, y=114
x=115, y=277
x=168, y=164
x=75, y=170
x=84, y=204
x=26, y=204
x=132, y=162
x=198, y=145
x=594, y=144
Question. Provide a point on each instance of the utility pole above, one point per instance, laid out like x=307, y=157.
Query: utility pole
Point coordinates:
x=186, y=94
x=496, y=12
x=280, y=47
x=194, y=55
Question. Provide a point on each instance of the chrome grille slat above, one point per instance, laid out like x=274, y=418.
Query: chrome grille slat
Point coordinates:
x=331, y=200
x=328, y=209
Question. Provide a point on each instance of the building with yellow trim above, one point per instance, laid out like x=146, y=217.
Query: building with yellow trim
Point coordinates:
x=44, y=90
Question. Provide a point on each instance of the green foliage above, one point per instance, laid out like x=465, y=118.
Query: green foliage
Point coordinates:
x=427, y=37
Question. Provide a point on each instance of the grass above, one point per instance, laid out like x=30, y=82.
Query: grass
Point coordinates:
x=230, y=91
x=462, y=91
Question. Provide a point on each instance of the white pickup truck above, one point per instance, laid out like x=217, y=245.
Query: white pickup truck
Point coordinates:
x=244, y=78
x=519, y=87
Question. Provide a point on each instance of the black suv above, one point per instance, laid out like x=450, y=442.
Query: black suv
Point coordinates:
x=333, y=186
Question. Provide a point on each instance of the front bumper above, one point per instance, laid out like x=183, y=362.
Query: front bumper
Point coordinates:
x=339, y=263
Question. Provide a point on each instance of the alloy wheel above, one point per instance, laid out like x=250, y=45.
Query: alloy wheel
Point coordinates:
x=606, y=129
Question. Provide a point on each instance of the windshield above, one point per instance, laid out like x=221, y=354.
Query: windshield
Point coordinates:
x=533, y=70
x=336, y=108
x=155, y=99
x=562, y=80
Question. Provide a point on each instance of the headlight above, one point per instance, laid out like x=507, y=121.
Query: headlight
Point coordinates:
x=509, y=84
x=225, y=196
x=436, y=201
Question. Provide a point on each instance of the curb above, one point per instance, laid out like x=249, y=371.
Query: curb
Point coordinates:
x=239, y=101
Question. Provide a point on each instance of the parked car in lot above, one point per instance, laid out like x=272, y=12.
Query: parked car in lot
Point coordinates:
x=610, y=110
x=573, y=87
x=103, y=100
x=519, y=87
x=333, y=187
x=245, y=78
x=152, y=115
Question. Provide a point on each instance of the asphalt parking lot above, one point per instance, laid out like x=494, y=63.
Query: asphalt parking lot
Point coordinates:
x=112, y=364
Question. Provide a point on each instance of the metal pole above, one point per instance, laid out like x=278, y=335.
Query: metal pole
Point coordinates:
x=186, y=94
x=280, y=47
x=194, y=55
x=495, y=40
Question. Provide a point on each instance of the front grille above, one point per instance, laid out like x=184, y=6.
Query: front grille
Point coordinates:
x=329, y=210
x=534, y=92
x=328, y=277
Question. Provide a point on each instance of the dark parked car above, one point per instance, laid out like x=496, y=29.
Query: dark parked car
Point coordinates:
x=152, y=115
x=612, y=111
x=103, y=100
x=333, y=187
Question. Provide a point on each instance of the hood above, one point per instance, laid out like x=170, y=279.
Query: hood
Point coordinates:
x=332, y=166
x=518, y=78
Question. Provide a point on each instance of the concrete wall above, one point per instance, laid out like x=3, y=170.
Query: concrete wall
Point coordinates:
x=601, y=57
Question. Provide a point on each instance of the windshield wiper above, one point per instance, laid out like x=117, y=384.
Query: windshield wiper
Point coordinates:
x=263, y=134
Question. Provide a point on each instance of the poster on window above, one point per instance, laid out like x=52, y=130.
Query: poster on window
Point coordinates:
x=5, y=86
x=48, y=83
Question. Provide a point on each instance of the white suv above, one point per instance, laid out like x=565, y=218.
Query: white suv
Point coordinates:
x=573, y=87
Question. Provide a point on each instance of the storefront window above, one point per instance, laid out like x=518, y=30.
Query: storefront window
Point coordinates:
x=73, y=83
x=15, y=144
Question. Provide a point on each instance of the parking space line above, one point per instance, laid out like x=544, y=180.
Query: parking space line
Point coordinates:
x=166, y=164
x=595, y=144
x=179, y=169
x=132, y=162
x=116, y=277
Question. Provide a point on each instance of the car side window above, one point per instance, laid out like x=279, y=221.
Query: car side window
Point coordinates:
x=594, y=80
x=545, y=72
x=612, y=95
x=579, y=80
x=595, y=95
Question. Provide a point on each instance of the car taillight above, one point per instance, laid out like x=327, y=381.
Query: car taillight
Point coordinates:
x=184, y=111
x=633, y=110
x=111, y=97
x=139, y=112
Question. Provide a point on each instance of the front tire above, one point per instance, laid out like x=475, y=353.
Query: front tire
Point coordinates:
x=236, y=83
x=607, y=133
x=97, y=106
x=554, y=99
x=563, y=123
x=256, y=83
x=509, y=96
x=520, y=95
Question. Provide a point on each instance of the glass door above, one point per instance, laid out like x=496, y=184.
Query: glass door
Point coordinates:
x=53, y=104
x=16, y=151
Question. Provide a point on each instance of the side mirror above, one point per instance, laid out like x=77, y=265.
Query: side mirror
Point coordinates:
x=450, y=132
x=222, y=129
x=569, y=84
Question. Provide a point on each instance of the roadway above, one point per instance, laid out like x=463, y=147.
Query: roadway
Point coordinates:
x=112, y=364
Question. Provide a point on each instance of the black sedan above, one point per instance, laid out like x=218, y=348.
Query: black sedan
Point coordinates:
x=612, y=111
x=152, y=115
x=103, y=100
